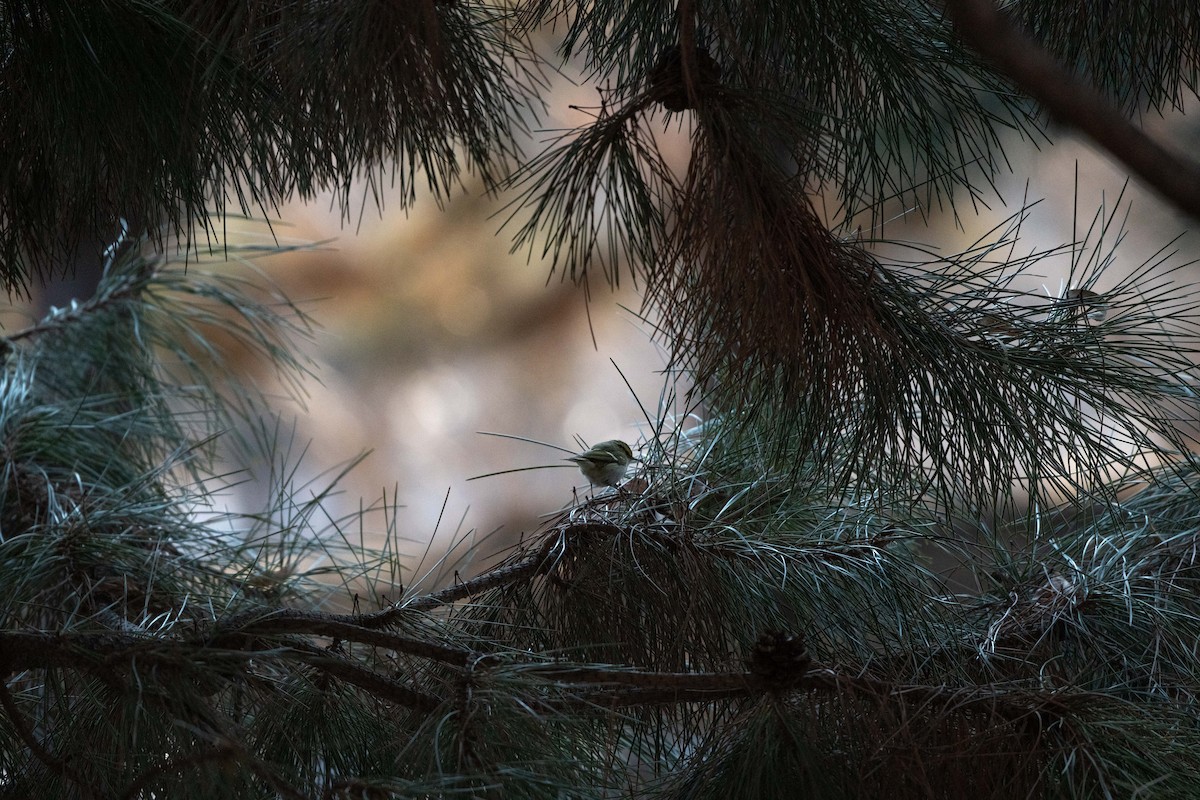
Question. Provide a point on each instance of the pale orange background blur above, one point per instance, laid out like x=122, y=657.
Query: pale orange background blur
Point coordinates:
x=433, y=331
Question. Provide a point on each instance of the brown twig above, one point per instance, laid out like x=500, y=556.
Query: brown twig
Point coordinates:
x=491, y=579
x=488, y=580
x=364, y=678
x=129, y=289
x=623, y=688
x=282, y=621
x=100, y=653
x=1074, y=102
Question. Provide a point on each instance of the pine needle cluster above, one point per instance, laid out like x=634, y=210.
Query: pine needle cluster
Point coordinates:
x=170, y=114
x=855, y=368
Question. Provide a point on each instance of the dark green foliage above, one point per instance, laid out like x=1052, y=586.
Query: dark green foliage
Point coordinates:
x=167, y=112
x=1143, y=55
x=713, y=628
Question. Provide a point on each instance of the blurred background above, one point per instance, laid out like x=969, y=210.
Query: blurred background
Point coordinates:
x=432, y=331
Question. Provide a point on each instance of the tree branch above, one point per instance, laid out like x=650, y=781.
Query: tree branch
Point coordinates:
x=1075, y=102
x=491, y=579
x=309, y=623
x=100, y=652
x=365, y=678
x=624, y=688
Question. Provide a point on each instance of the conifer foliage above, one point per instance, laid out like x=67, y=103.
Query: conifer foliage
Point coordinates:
x=920, y=534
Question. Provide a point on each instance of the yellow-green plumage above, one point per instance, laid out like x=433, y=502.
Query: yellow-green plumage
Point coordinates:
x=606, y=463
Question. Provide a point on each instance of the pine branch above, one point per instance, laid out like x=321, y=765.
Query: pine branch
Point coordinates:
x=108, y=655
x=244, y=627
x=634, y=646
x=504, y=575
x=1076, y=103
x=367, y=679
x=620, y=686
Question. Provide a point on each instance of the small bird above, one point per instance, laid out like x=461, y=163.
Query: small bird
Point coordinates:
x=606, y=463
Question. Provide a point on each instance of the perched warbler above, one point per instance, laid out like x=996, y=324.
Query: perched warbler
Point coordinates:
x=606, y=463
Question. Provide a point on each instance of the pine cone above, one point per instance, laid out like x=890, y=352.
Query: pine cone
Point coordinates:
x=666, y=78
x=779, y=659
